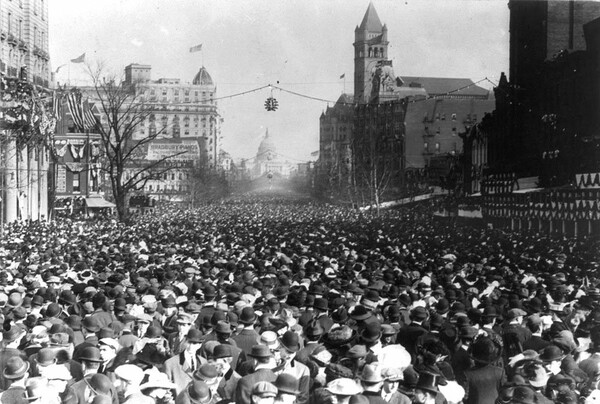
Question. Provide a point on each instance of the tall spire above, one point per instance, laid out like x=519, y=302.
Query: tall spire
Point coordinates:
x=371, y=21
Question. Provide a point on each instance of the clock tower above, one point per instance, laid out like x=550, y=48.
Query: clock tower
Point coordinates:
x=370, y=49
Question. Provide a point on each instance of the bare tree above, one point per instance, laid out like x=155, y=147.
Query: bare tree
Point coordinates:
x=123, y=109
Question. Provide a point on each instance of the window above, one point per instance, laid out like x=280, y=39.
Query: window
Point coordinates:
x=10, y=27
x=35, y=36
x=454, y=117
x=20, y=29
x=437, y=147
x=426, y=146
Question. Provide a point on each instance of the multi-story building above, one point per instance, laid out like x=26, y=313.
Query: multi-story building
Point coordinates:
x=435, y=110
x=546, y=122
x=336, y=129
x=186, y=124
x=23, y=56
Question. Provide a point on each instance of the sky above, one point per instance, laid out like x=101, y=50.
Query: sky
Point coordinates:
x=302, y=46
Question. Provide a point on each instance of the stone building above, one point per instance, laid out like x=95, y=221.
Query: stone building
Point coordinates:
x=23, y=56
x=187, y=121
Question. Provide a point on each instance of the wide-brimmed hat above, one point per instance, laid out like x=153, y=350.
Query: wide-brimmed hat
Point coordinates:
x=321, y=303
x=360, y=312
x=484, y=350
x=158, y=380
x=344, y=387
x=314, y=329
x=338, y=336
x=260, y=351
x=290, y=341
x=15, y=368
x=208, y=373
x=371, y=373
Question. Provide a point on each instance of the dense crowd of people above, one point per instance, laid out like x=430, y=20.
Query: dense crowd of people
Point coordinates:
x=270, y=300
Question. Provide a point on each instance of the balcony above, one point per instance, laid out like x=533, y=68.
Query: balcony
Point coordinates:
x=3, y=35
x=12, y=40
x=22, y=45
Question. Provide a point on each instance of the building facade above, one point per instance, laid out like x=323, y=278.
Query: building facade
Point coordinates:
x=24, y=58
x=186, y=123
x=545, y=123
x=268, y=162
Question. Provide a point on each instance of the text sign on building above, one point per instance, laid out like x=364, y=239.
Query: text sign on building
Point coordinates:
x=61, y=179
x=173, y=151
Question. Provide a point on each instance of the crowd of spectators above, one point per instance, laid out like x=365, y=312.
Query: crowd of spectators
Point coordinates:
x=270, y=300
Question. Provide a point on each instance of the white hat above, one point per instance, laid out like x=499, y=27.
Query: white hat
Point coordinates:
x=344, y=387
x=130, y=373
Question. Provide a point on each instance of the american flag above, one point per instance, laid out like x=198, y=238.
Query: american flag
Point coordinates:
x=89, y=119
x=76, y=108
x=56, y=106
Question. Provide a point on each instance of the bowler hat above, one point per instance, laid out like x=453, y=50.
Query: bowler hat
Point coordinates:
x=223, y=327
x=222, y=351
x=195, y=336
x=290, y=341
x=45, y=357
x=419, y=313
x=99, y=384
x=208, y=373
x=314, y=329
x=371, y=333
x=321, y=304
x=248, y=316
x=551, y=353
x=523, y=395
x=90, y=354
x=260, y=351
x=287, y=384
x=15, y=368
x=199, y=392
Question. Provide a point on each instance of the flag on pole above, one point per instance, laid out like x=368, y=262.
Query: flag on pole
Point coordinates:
x=60, y=67
x=196, y=48
x=80, y=59
x=342, y=76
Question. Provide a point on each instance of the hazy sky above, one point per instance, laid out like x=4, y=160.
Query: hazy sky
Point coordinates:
x=305, y=45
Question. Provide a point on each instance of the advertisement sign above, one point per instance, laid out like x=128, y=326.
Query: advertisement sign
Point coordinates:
x=174, y=151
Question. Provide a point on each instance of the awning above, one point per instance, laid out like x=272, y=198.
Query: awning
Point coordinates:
x=98, y=202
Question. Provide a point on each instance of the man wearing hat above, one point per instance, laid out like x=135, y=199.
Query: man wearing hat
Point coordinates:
x=263, y=393
x=14, y=374
x=263, y=371
x=247, y=337
x=313, y=333
x=513, y=333
x=483, y=381
x=289, y=347
x=228, y=377
x=426, y=389
x=177, y=339
x=128, y=380
x=197, y=392
x=409, y=335
x=11, y=339
x=343, y=388
x=390, y=393
x=179, y=368
x=89, y=387
x=287, y=388
x=372, y=383
x=321, y=308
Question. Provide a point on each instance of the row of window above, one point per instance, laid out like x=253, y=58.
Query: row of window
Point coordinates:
x=442, y=117
x=437, y=147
